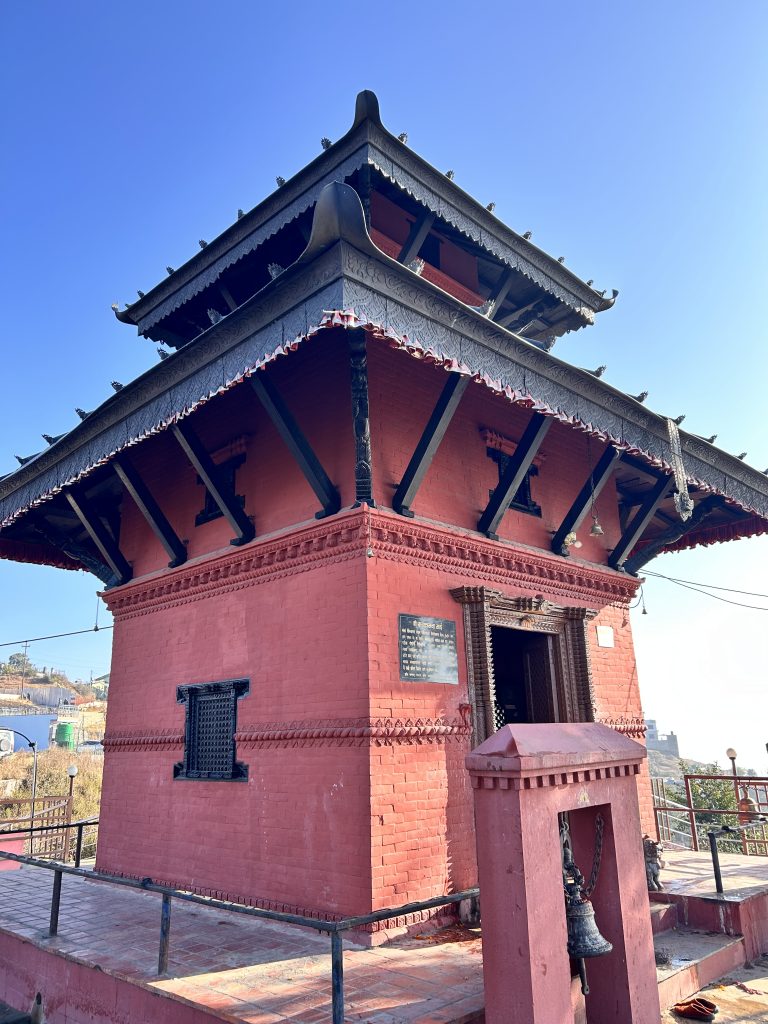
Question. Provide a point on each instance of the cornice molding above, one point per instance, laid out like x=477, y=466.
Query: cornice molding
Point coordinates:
x=632, y=726
x=546, y=780
x=362, y=533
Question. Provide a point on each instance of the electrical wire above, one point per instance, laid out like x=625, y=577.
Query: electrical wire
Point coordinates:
x=55, y=636
x=709, y=586
x=716, y=597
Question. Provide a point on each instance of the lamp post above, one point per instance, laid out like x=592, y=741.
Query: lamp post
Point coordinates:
x=731, y=755
x=72, y=774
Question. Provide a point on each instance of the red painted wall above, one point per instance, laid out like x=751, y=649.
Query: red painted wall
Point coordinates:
x=365, y=802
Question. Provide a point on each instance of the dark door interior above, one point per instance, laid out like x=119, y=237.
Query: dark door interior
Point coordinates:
x=525, y=676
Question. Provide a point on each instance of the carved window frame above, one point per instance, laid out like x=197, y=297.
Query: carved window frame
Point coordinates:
x=201, y=701
x=484, y=608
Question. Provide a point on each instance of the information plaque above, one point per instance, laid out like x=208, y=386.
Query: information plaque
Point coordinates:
x=428, y=650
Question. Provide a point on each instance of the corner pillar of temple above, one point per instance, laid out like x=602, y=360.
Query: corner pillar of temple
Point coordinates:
x=523, y=778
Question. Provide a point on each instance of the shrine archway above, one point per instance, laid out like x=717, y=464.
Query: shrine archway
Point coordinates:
x=550, y=645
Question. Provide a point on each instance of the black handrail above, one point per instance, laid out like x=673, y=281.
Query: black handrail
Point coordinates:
x=78, y=825
x=334, y=928
x=714, y=834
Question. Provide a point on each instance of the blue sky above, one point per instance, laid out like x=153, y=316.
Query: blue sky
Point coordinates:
x=630, y=139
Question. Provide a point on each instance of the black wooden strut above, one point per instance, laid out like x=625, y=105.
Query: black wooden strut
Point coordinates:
x=416, y=237
x=595, y=482
x=99, y=534
x=151, y=511
x=674, y=533
x=498, y=295
x=639, y=522
x=361, y=425
x=514, y=474
x=217, y=487
x=430, y=441
x=297, y=444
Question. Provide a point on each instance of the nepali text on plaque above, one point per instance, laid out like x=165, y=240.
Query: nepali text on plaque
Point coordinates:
x=428, y=650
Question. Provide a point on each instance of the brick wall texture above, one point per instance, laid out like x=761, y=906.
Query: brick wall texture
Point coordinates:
x=357, y=797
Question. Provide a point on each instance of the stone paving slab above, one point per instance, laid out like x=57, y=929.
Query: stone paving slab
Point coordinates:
x=246, y=969
x=688, y=873
x=742, y=996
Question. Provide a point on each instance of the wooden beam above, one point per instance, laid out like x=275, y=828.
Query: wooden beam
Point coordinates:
x=226, y=294
x=361, y=426
x=673, y=534
x=595, y=482
x=297, y=444
x=222, y=494
x=639, y=522
x=430, y=440
x=151, y=511
x=515, y=315
x=99, y=534
x=500, y=292
x=416, y=237
x=513, y=476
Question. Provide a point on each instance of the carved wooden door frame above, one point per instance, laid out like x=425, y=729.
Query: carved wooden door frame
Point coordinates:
x=484, y=608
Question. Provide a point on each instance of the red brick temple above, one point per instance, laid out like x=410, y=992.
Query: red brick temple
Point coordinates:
x=357, y=518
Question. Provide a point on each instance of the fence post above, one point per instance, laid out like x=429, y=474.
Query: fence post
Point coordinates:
x=715, y=861
x=79, y=845
x=165, y=934
x=337, y=979
x=691, y=813
x=53, y=927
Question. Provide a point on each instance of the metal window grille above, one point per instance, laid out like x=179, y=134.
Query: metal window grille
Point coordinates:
x=209, y=734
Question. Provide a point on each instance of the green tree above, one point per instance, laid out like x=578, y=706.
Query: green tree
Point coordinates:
x=20, y=664
x=713, y=794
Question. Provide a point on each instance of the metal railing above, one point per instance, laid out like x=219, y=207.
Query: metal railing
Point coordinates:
x=334, y=928
x=728, y=830
x=82, y=841
x=684, y=825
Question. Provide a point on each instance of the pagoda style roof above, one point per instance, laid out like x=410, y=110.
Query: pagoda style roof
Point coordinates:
x=369, y=147
x=343, y=279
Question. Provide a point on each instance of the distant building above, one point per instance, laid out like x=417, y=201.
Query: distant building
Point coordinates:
x=664, y=743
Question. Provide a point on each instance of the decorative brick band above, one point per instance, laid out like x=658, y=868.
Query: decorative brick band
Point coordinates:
x=165, y=739
x=355, y=732
x=466, y=554
x=362, y=532
x=634, y=727
x=548, y=779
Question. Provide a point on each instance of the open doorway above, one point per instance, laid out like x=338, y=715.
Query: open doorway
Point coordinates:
x=525, y=676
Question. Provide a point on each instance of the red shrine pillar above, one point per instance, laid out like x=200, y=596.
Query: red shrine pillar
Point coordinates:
x=523, y=777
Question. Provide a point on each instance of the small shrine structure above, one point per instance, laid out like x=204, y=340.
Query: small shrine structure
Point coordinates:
x=358, y=517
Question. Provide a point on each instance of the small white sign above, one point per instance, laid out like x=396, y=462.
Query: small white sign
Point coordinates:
x=604, y=636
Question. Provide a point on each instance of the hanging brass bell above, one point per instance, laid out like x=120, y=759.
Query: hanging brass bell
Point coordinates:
x=584, y=940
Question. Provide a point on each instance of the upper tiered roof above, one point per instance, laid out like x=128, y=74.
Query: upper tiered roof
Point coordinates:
x=404, y=196
x=370, y=235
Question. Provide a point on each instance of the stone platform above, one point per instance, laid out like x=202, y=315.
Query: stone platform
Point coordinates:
x=102, y=967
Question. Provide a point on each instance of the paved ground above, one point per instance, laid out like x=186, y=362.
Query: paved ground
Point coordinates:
x=256, y=971
x=691, y=873
x=741, y=996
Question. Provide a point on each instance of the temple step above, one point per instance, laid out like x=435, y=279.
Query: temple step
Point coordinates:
x=663, y=917
x=693, y=959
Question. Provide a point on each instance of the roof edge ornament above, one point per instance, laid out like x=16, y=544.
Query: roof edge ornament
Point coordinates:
x=338, y=215
x=607, y=303
x=366, y=108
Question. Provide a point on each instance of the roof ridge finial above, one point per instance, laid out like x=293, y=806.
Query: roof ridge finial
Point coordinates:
x=367, y=108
